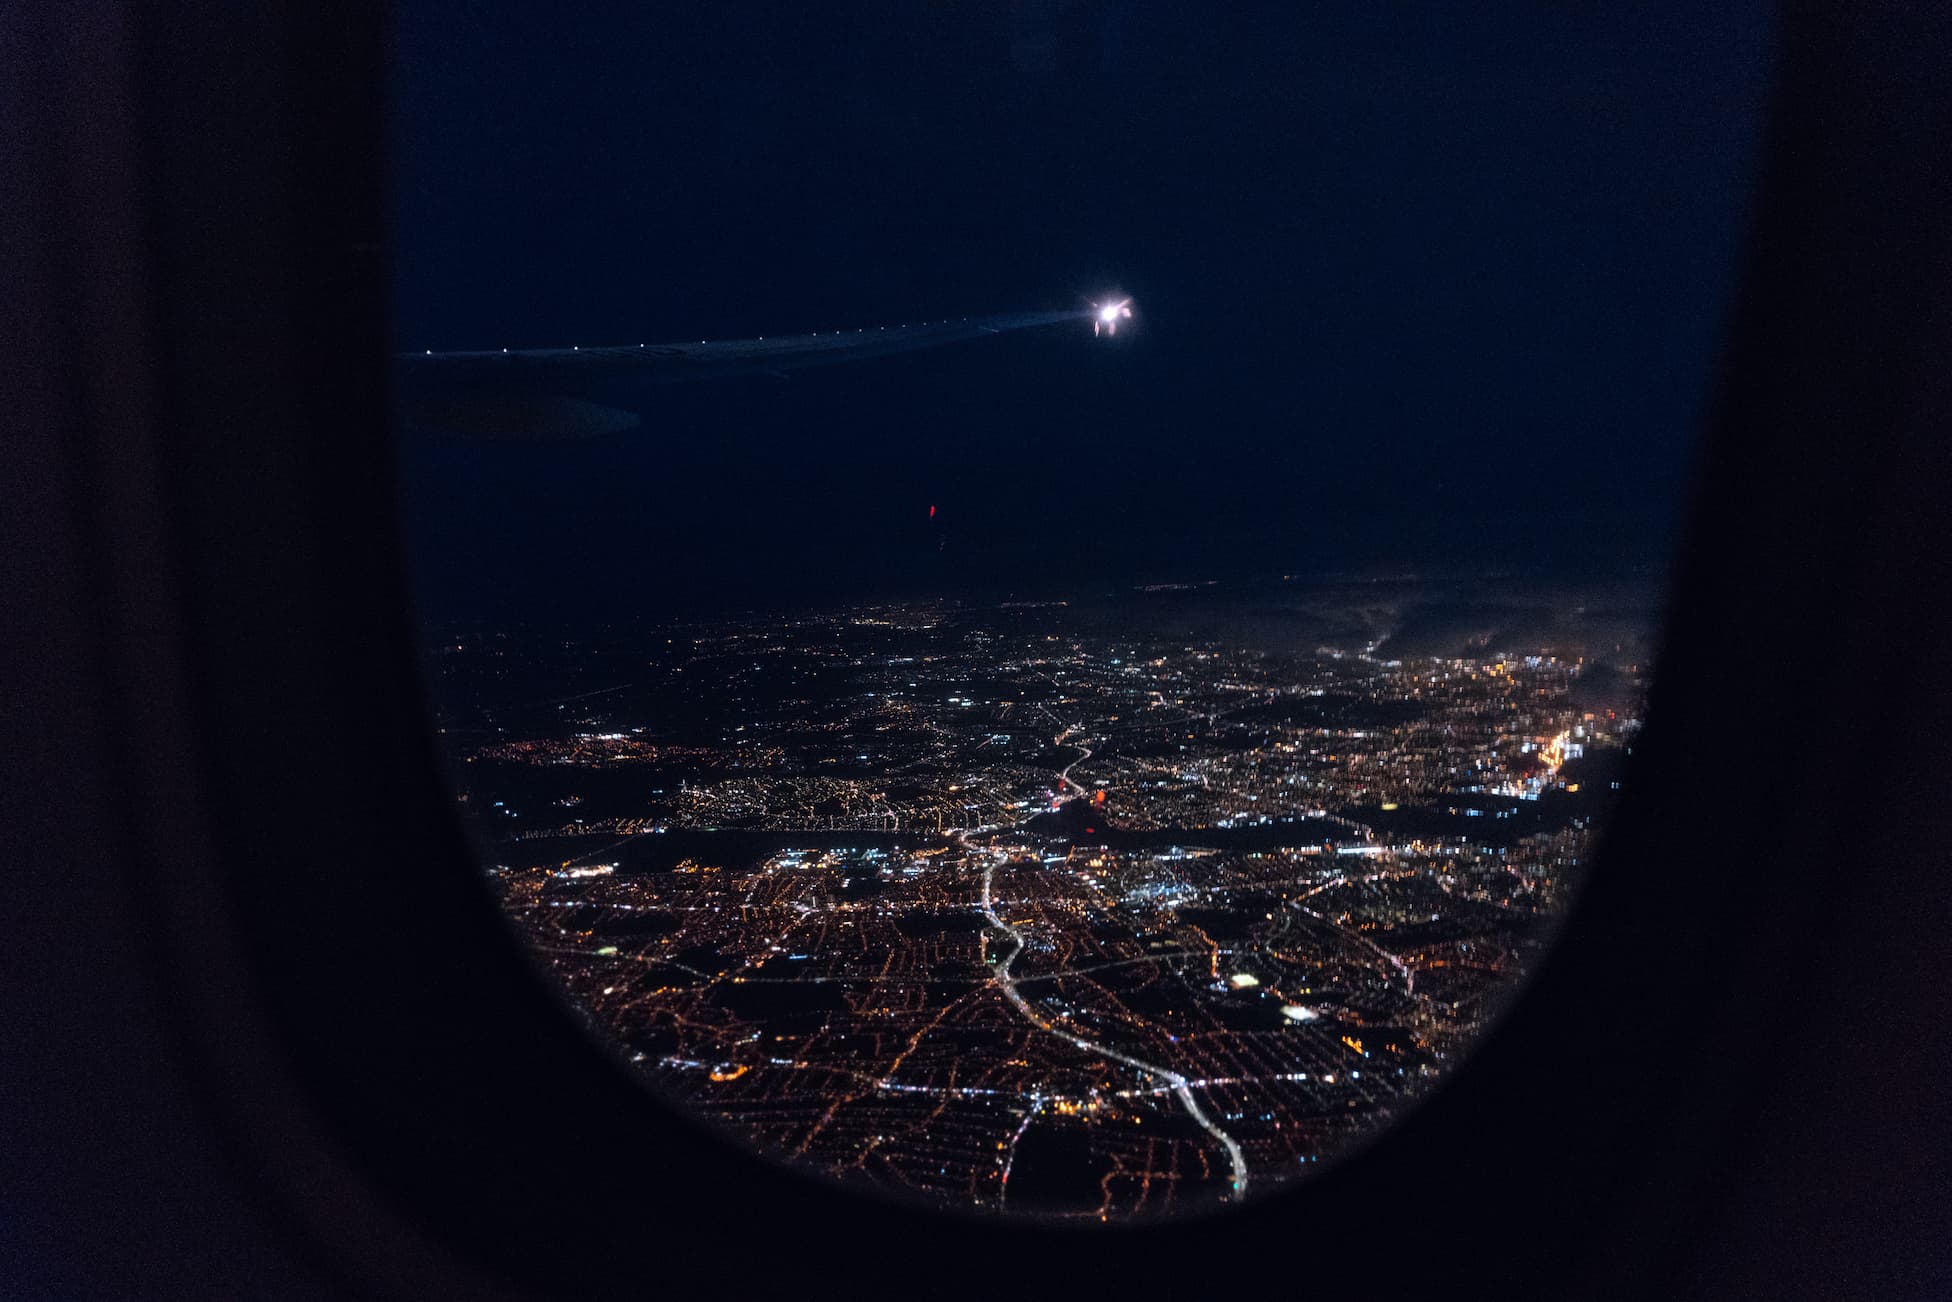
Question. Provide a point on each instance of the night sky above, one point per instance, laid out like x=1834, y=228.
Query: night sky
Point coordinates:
x=1416, y=287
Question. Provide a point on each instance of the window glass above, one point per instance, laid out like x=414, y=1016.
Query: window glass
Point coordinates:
x=1036, y=606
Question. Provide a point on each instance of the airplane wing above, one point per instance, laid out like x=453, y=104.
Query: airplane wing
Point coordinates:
x=585, y=390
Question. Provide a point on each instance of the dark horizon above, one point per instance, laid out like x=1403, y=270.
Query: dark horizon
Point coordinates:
x=1413, y=292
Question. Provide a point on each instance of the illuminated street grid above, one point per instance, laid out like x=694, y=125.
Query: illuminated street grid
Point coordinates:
x=1015, y=917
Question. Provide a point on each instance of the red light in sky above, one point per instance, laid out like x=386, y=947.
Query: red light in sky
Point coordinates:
x=931, y=510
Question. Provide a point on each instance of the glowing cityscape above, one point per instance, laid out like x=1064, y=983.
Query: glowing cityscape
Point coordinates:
x=1016, y=911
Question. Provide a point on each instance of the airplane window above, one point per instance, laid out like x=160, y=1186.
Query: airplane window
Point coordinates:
x=1038, y=607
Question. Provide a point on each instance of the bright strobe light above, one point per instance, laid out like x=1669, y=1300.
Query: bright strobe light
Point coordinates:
x=1109, y=315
